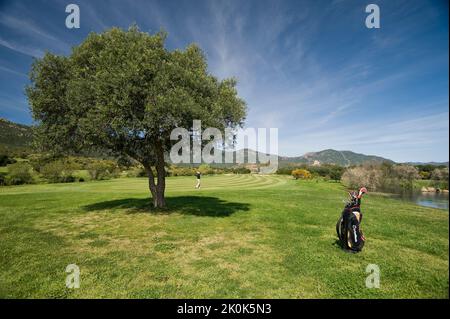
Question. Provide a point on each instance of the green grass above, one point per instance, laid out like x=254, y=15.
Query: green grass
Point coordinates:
x=240, y=236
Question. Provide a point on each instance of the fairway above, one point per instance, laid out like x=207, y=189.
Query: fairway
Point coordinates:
x=239, y=236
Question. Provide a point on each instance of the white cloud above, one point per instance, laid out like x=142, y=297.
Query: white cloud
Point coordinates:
x=6, y=69
x=395, y=138
x=24, y=49
x=25, y=26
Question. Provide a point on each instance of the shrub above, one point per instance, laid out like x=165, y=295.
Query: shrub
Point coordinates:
x=19, y=173
x=301, y=173
x=181, y=171
x=37, y=161
x=205, y=169
x=328, y=171
x=368, y=176
x=241, y=170
x=426, y=170
x=59, y=171
x=440, y=174
x=336, y=172
x=125, y=162
x=424, y=175
x=284, y=170
x=386, y=177
x=103, y=169
x=404, y=175
x=439, y=178
x=137, y=171
x=5, y=160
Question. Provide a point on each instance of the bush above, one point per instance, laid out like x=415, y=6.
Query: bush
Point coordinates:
x=328, y=171
x=368, y=176
x=426, y=170
x=125, y=162
x=424, y=175
x=6, y=160
x=103, y=169
x=383, y=177
x=59, y=171
x=404, y=175
x=301, y=173
x=440, y=174
x=336, y=172
x=241, y=170
x=439, y=178
x=205, y=169
x=37, y=161
x=285, y=170
x=181, y=171
x=19, y=173
x=137, y=171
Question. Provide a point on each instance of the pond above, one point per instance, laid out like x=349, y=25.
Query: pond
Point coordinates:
x=432, y=199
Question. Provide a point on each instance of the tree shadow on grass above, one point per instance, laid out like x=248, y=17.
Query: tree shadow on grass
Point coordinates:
x=188, y=205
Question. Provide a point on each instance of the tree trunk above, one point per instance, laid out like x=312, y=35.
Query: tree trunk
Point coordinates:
x=161, y=186
x=157, y=188
x=159, y=201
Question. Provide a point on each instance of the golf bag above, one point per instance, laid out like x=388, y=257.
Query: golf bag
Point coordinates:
x=348, y=225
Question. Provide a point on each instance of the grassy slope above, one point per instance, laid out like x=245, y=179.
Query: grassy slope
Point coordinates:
x=240, y=236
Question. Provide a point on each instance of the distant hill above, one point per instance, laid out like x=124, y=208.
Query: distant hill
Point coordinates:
x=329, y=156
x=429, y=163
x=13, y=135
x=19, y=136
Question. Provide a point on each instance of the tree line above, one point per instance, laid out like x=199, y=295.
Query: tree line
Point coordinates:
x=376, y=177
x=45, y=168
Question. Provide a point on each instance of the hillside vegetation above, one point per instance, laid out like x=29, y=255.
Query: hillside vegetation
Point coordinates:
x=14, y=135
x=329, y=156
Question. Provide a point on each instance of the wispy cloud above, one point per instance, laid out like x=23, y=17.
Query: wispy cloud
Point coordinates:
x=11, y=71
x=312, y=70
x=34, y=39
x=24, y=49
x=25, y=26
x=395, y=137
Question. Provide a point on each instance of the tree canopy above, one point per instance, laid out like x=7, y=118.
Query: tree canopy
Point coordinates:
x=124, y=92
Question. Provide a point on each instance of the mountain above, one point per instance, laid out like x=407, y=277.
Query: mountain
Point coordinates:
x=19, y=136
x=329, y=156
x=13, y=135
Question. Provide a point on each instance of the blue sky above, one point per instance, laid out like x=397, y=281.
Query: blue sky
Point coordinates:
x=310, y=68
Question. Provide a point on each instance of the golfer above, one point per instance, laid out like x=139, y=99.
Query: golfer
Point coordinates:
x=198, y=175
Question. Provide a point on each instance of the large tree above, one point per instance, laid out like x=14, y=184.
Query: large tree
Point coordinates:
x=124, y=92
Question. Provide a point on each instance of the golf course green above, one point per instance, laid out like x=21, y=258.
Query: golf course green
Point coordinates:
x=239, y=236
